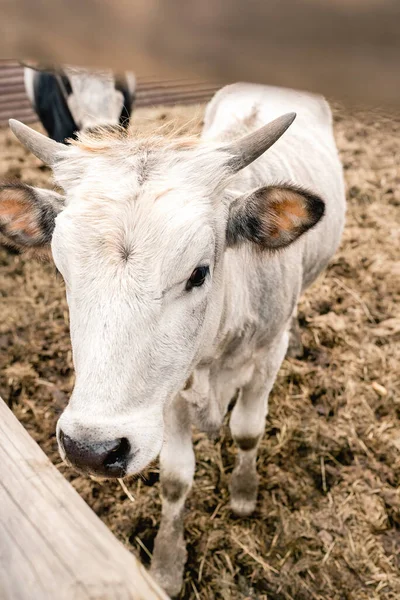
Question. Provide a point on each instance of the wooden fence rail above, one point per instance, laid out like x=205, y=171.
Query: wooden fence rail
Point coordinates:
x=52, y=545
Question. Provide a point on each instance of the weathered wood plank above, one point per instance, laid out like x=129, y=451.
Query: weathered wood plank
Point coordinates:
x=342, y=48
x=52, y=546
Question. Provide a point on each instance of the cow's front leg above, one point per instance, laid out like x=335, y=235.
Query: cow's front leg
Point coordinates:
x=177, y=468
x=247, y=425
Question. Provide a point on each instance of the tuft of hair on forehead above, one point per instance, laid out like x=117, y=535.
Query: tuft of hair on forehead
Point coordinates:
x=105, y=138
x=98, y=139
x=154, y=154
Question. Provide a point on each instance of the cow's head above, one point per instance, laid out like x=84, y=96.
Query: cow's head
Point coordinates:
x=140, y=238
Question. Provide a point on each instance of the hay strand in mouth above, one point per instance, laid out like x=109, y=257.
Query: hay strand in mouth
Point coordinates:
x=127, y=492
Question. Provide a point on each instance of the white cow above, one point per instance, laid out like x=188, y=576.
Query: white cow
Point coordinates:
x=183, y=260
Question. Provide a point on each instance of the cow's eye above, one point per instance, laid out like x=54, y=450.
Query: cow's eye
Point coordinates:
x=197, y=278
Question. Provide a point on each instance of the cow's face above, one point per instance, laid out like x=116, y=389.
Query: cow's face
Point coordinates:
x=138, y=261
x=140, y=238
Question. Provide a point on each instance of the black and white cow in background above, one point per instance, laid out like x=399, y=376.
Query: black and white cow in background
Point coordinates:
x=74, y=99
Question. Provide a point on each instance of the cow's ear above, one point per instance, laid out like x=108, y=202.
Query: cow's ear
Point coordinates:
x=273, y=217
x=27, y=215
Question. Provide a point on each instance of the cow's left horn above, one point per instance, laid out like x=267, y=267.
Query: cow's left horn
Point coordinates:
x=251, y=146
x=41, y=146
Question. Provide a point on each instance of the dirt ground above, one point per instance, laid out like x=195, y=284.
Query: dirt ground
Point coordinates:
x=327, y=526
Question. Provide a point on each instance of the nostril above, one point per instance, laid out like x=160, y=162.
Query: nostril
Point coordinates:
x=117, y=456
x=107, y=458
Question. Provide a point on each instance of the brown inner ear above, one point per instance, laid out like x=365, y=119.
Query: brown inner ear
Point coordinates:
x=273, y=217
x=285, y=211
x=17, y=213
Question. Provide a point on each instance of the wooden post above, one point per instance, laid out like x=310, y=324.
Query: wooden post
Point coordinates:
x=52, y=545
x=348, y=49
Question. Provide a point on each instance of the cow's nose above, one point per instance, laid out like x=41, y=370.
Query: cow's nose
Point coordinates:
x=107, y=459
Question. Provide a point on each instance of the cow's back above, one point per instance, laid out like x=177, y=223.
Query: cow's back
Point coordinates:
x=306, y=156
x=234, y=104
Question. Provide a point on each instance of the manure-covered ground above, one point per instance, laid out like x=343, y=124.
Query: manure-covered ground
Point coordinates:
x=327, y=525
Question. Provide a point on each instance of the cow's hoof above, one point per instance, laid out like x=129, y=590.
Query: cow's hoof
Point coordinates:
x=167, y=566
x=170, y=582
x=244, y=489
x=242, y=507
